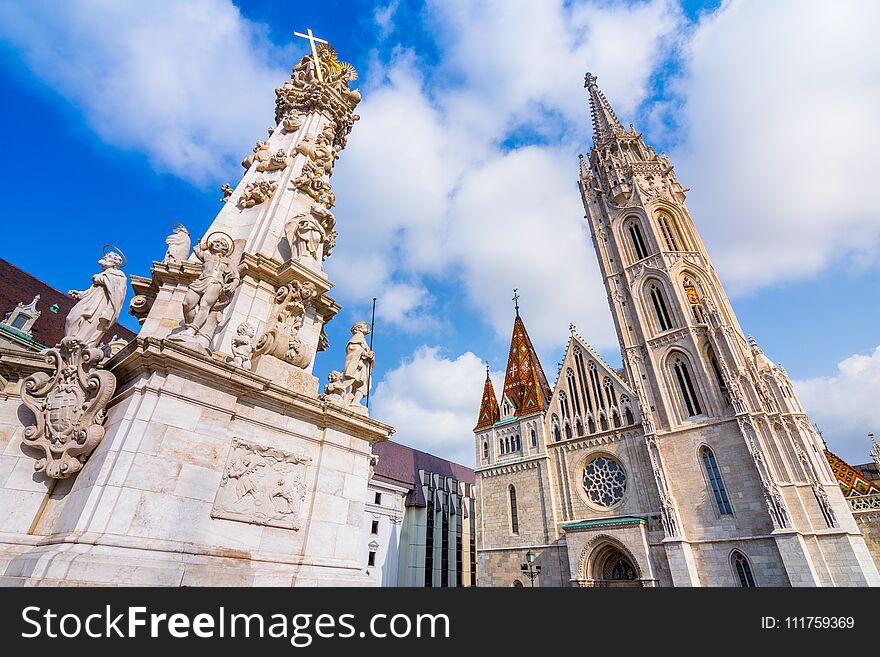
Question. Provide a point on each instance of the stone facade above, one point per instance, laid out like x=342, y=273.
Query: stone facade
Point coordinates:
x=695, y=465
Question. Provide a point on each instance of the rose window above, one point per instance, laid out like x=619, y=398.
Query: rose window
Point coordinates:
x=604, y=481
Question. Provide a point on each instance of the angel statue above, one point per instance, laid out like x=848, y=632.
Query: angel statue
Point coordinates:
x=178, y=245
x=97, y=308
x=212, y=291
x=358, y=364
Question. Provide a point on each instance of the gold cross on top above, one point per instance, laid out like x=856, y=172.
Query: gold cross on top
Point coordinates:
x=312, y=39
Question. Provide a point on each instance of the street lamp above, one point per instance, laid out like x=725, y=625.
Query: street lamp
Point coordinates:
x=529, y=569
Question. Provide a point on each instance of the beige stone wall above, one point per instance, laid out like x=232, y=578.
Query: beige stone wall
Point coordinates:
x=501, y=568
x=869, y=525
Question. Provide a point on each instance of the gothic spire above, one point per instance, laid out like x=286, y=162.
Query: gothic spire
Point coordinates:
x=605, y=122
x=525, y=384
x=489, y=414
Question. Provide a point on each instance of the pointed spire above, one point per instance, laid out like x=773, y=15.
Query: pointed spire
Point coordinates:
x=761, y=360
x=875, y=450
x=525, y=383
x=605, y=122
x=489, y=413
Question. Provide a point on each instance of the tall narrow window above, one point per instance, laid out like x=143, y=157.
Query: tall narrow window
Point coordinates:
x=635, y=234
x=715, y=481
x=594, y=377
x=743, y=570
x=534, y=438
x=579, y=363
x=689, y=397
x=573, y=391
x=664, y=321
x=668, y=232
x=514, y=514
x=609, y=392
x=485, y=449
x=717, y=369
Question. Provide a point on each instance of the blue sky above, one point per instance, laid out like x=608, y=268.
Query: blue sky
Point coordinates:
x=458, y=183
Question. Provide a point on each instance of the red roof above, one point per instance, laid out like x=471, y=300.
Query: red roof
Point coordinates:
x=17, y=286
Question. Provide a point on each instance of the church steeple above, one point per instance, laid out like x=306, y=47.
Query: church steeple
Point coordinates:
x=489, y=414
x=605, y=121
x=525, y=384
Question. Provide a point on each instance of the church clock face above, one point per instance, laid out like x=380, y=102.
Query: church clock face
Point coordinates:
x=604, y=481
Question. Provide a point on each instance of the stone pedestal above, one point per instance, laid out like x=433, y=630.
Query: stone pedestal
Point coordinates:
x=208, y=475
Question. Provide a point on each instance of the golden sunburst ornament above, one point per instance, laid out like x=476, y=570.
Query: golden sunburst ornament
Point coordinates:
x=336, y=70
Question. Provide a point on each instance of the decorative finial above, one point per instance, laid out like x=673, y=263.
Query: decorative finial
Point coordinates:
x=516, y=300
x=312, y=39
x=487, y=369
x=572, y=328
x=589, y=79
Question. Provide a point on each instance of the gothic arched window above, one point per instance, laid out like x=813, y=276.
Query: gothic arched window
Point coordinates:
x=594, y=378
x=615, y=419
x=573, y=391
x=534, y=438
x=568, y=430
x=717, y=370
x=690, y=401
x=715, y=481
x=563, y=405
x=603, y=422
x=661, y=313
x=485, y=449
x=514, y=513
x=693, y=297
x=591, y=425
x=638, y=243
x=742, y=569
x=667, y=229
x=557, y=436
x=579, y=427
x=579, y=363
x=609, y=392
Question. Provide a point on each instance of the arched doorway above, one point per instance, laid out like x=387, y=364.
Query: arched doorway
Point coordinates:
x=612, y=567
x=517, y=584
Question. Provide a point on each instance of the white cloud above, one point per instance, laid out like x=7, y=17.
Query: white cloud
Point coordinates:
x=429, y=189
x=430, y=399
x=189, y=84
x=780, y=100
x=845, y=405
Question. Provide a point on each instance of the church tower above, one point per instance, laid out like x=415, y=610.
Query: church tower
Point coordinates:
x=738, y=465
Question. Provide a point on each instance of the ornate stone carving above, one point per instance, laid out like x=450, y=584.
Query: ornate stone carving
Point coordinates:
x=281, y=339
x=242, y=346
x=178, y=245
x=311, y=181
x=304, y=93
x=262, y=485
x=291, y=122
x=277, y=162
x=212, y=291
x=359, y=360
x=227, y=192
x=261, y=154
x=318, y=148
x=334, y=390
x=311, y=234
x=69, y=404
x=257, y=192
x=98, y=308
x=69, y=407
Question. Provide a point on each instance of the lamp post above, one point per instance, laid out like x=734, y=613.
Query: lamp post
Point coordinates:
x=529, y=569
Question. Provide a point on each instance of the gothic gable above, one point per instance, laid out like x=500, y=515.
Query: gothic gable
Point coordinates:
x=589, y=396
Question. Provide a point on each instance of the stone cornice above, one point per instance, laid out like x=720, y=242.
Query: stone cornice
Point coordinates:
x=519, y=466
x=149, y=355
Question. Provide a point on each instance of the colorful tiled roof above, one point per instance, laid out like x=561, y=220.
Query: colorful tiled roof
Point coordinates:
x=525, y=384
x=17, y=286
x=489, y=413
x=850, y=480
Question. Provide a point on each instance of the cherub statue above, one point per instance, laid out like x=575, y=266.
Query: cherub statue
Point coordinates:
x=178, y=245
x=276, y=162
x=261, y=154
x=358, y=364
x=227, y=192
x=212, y=291
x=334, y=390
x=242, y=346
x=97, y=308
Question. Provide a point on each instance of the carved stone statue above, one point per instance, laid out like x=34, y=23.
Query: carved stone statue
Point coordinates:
x=334, y=391
x=305, y=235
x=318, y=148
x=311, y=181
x=178, y=245
x=358, y=364
x=242, y=346
x=69, y=404
x=212, y=291
x=227, y=192
x=281, y=339
x=277, y=162
x=98, y=307
x=257, y=192
x=261, y=154
x=291, y=122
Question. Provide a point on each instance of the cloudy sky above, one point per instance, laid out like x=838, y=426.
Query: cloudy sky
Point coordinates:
x=458, y=184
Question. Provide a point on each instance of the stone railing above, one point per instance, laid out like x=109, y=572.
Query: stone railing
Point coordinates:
x=862, y=503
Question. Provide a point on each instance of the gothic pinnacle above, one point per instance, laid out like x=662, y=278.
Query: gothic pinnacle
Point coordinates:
x=605, y=121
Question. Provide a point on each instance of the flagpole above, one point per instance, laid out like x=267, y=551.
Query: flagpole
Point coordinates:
x=372, y=333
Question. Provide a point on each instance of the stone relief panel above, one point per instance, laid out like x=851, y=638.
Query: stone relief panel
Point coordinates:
x=262, y=486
